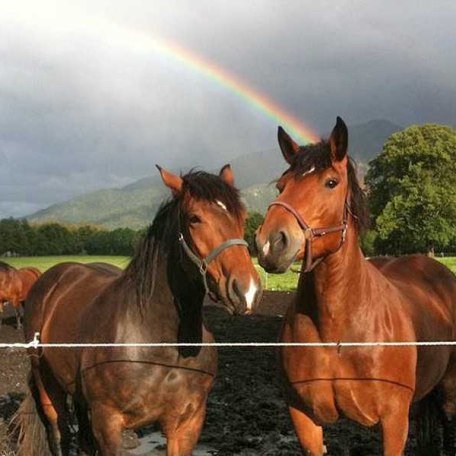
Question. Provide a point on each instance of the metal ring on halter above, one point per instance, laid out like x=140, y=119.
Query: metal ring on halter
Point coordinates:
x=203, y=263
x=344, y=232
x=203, y=267
x=308, y=235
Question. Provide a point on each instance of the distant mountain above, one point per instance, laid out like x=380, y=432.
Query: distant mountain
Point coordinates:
x=136, y=204
x=112, y=208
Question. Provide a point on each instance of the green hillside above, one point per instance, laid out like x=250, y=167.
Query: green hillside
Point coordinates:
x=135, y=205
x=112, y=208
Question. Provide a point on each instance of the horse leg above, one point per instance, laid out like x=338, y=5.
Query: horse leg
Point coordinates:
x=427, y=424
x=107, y=427
x=17, y=311
x=395, y=426
x=87, y=443
x=183, y=436
x=2, y=309
x=53, y=402
x=448, y=386
x=310, y=435
x=449, y=436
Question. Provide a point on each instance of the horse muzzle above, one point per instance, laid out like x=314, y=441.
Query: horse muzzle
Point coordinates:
x=242, y=294
x=277, y=251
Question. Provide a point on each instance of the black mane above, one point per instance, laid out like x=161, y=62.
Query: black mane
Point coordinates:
x=318, y=156
x=162, y=234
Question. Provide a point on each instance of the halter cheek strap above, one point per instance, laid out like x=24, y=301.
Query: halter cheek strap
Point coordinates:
x=311, y=233
x=203, y=263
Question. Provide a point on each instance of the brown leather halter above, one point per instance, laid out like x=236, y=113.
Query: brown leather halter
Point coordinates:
x=203, y=263
x=311, y=233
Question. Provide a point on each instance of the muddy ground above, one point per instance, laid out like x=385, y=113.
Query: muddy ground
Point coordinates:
x=246, y=412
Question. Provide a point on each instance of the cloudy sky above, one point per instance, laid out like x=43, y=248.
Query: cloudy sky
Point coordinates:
x=87, y=102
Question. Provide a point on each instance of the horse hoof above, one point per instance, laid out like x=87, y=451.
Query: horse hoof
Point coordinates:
x=130, y=440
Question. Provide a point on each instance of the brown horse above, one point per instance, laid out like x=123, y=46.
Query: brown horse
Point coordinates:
x=15, y=285
x=343, y=297
x=7, y=273
x=193, y=245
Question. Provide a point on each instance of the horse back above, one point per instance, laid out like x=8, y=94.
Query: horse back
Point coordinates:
x=60, y=296
x=429, y=291
x=54, y=308
x=10, y=286
x=27, y=276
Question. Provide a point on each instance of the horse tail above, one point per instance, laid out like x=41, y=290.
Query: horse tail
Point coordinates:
x=428, y=426
x=27, y=425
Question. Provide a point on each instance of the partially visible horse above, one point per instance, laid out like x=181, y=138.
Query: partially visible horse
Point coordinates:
x=342, y=297
x=15, y=285
x=194, y=245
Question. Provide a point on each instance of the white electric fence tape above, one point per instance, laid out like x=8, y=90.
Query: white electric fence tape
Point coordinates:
x=35, y=343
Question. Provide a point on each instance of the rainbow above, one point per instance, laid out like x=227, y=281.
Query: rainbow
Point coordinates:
x=255, y=98
x=134, y=39
x=143, y=42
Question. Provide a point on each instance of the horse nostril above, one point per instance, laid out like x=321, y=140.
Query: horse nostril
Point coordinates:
x=232, y=290
x=246, y=293
x=280, y=241
x=284, y=238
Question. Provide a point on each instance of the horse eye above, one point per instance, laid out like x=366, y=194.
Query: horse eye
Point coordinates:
x=331, y=183
x=194, y=219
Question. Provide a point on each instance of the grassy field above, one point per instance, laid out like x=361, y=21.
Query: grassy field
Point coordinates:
x=46, y=262
x=281, y=282
x=449, y=262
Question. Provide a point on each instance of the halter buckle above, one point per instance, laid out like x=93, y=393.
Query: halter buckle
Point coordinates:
x=344, y=232
x=203, y=267
x=180, y=238
x=308, y=234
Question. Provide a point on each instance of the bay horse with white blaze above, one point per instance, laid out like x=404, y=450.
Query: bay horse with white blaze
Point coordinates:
x=195, y=244
x=342, y=297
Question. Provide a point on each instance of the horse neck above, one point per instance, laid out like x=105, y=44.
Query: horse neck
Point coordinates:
x=333, y=292
x=174, y=310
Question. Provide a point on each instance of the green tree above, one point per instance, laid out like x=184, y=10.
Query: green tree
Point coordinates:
x=82, y=235
x=412, y=190
x=254, y=220
x=120, y=241
x=16, y=236
x=368, y=241
x=54, y=239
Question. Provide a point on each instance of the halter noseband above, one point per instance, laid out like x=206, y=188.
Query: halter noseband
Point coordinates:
x=311, y=233
x=203, y=263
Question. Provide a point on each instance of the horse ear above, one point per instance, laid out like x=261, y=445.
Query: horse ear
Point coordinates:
x=172, y=181
x=288, y=147
x=339, y=140
x=226, y=174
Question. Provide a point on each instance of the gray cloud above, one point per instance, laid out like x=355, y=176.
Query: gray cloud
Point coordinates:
x=79, y=111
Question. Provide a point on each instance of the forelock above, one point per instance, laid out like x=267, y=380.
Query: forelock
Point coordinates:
x=313, y=156
x=211, y=188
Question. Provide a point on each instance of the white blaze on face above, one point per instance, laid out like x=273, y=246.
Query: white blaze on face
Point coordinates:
x=309, y=171
x=250, y=295
x=266, y=248
x=219, y=203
